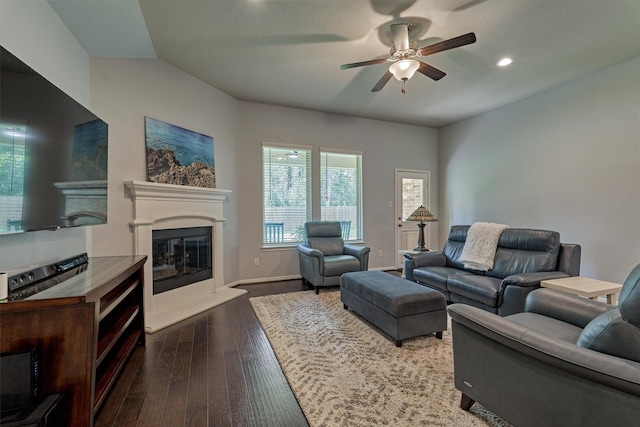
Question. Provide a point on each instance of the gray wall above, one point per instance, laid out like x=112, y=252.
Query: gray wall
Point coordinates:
x=126, y=90
x=567, y=159
x=385, y=146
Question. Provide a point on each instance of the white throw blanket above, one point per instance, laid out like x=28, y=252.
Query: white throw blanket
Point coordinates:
x=480, y=247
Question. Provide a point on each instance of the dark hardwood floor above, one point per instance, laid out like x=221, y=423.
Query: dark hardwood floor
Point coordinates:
x=214, y=369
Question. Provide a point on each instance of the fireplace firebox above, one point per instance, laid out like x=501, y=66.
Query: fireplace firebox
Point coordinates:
x=181, y=256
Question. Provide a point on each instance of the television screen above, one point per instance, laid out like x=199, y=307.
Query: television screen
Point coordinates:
x=53, y=154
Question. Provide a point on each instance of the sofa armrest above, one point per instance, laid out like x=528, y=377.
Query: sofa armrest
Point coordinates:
x=531, y=279
x=611, y=371
x=515, y=288
x=427, y=259
x=360, y=252
x=569, y=258
x=422, y=259
x=566, y=307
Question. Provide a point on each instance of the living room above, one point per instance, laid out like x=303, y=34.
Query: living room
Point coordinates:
x=564, y=159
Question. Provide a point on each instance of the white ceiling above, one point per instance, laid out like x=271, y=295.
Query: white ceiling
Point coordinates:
x=289, y=52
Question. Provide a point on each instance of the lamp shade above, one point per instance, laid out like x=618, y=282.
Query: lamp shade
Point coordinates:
x=404, y=69
x=422, y=214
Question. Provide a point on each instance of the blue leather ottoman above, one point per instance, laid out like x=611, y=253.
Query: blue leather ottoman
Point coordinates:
x=399, y=307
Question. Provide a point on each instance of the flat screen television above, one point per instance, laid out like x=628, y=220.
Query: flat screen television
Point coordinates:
x=53, y=154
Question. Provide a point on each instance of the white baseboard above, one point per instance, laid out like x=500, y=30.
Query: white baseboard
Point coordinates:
x=283, y=278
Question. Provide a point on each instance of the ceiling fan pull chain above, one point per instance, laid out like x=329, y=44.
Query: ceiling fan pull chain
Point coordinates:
x=403, y=82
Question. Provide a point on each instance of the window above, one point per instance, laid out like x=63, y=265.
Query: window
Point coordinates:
x=412, y=191
x=341, y=191
x=286, y=192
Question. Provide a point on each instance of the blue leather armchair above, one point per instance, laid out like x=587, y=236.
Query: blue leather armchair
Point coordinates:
x=565, y=361
x=324, y=256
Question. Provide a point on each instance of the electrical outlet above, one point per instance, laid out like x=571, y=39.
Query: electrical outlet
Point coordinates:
x=256, y=261
x=380, y=252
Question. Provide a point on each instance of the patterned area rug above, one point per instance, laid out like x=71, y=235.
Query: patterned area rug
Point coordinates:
x=345, y=372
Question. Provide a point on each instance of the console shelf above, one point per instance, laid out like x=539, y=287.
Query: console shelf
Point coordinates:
x=113, y=369
x=115, y=331
x=85, y=330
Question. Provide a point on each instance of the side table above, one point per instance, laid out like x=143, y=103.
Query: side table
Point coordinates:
x=584, y=286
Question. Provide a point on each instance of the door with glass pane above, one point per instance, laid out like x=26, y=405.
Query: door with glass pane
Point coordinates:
x=412, y=190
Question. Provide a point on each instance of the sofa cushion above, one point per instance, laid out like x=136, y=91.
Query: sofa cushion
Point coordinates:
x=525, y=251
x=454, y=245
x=483, y=289
x=435, y=276
x=609, y=333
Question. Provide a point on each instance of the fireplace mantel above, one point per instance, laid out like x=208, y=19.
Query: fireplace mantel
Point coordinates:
x=164, y=206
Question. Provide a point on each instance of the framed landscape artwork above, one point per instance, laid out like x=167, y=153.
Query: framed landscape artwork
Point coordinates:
x=178, y=156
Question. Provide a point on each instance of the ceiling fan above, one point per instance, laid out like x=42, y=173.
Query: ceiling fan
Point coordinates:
x=405, y=56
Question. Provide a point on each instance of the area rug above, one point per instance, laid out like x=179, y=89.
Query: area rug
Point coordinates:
x=345, y=372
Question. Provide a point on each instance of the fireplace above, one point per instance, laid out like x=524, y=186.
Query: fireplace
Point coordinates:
x=180, y=256
x=161, y=207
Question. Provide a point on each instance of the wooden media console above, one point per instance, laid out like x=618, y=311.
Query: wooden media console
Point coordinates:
x=84, y=329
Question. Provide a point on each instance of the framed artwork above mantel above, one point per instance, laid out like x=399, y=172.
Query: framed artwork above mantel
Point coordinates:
x=176, y=155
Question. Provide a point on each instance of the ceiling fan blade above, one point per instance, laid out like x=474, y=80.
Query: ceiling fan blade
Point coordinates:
x=383, y=81
x=400, y=35
x=363, y=63
x=430, y=71
x=462, y=40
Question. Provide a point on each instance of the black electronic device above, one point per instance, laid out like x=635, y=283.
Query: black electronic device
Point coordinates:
x=19, y=379
x=24, y=284
x=53, y=154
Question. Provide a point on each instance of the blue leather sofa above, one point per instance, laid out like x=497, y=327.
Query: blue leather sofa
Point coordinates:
x=523, y=258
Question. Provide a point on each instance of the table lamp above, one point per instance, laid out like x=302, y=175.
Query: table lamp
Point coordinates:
x=423, y=215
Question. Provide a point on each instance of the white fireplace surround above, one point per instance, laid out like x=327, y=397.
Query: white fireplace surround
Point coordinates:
x=166, y=206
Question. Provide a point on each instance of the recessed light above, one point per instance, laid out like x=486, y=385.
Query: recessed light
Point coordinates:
x=504, y=62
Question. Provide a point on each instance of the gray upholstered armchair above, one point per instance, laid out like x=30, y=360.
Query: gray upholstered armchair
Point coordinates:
x=324, y=257
x=565, y=360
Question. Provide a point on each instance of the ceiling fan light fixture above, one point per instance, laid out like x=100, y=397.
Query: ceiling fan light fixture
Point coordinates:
x=404, y=69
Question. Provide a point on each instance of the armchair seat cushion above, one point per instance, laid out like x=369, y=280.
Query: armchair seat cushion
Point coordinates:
x=336, y=265
x=483, y=289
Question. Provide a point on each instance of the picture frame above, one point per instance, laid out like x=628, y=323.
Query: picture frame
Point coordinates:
x=179, y=156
